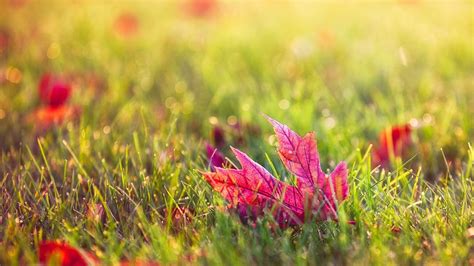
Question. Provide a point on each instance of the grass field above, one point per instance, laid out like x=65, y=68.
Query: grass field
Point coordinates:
x=151, y=90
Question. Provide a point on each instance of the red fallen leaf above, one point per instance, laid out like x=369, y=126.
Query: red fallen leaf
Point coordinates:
x=48, y=116
x=392, y=143
x=53, y=90
x=252, y=190
x=64, y=255
x=126, y=24
x=201, y=8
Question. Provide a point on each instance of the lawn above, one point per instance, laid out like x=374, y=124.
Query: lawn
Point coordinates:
x=119, y=175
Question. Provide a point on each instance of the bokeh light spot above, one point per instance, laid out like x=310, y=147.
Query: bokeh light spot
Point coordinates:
x=106, y=130
x=232, y=120
x=213, y=120
x=13, y=75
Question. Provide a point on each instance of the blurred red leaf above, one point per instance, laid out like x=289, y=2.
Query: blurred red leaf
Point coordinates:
x=126, y=24
x=61, y=254
x=393, y=141
x=48, y=116
x=252, y=189
x=201, y=8
x=64, y=255
x=53, y=90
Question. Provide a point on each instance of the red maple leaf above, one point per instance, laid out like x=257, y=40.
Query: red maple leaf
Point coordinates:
x=54, y=90
x=47, y=116
x=393, y=141
x=126, y=24
x=252, y=190
x=64, y=255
